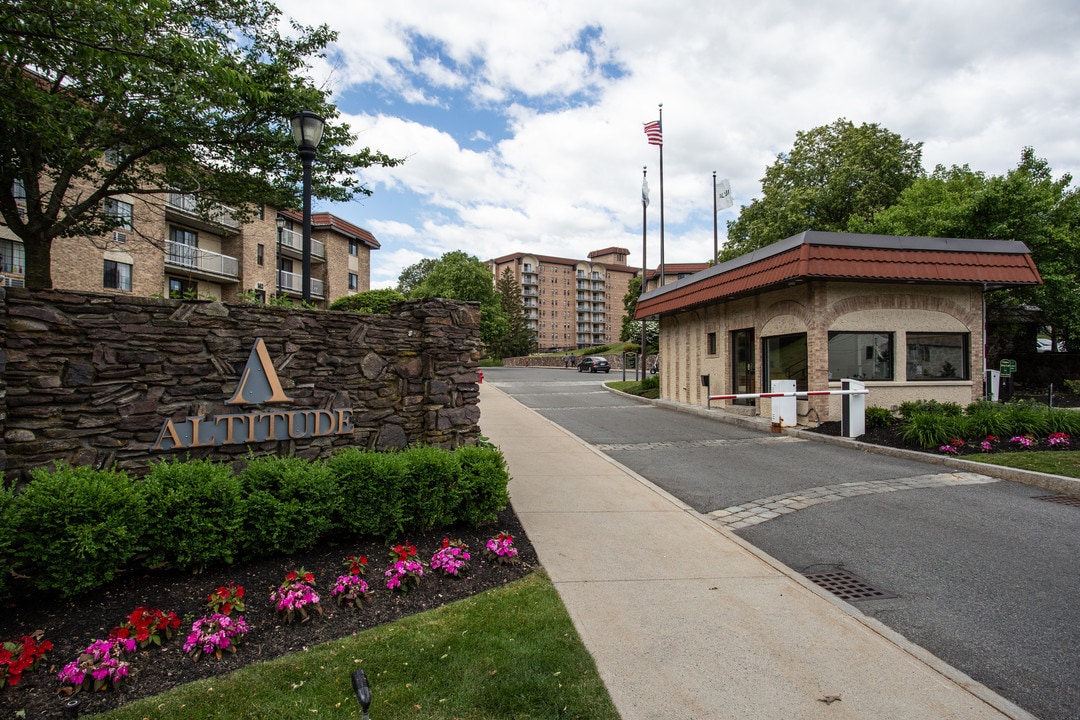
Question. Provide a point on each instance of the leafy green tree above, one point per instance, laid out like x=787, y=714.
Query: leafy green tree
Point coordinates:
x=833, y=173
x=137, y=97
x=460, y=276
x=411, y=277
x=519, y=340
x=1025, y=204
x=631, y=328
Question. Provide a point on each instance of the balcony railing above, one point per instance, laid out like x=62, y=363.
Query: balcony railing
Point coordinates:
x=192, y=258
x=295, y=241
x=216, y=213
x=294, y=283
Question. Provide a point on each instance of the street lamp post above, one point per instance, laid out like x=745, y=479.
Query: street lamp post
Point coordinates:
x=307, y=130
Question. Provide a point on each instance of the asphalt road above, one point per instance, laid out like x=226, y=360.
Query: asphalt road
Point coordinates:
x=985, y=576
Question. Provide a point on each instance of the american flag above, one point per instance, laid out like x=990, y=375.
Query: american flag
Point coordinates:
x=652, y=132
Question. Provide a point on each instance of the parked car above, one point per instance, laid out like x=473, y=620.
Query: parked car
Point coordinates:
x=594, y=364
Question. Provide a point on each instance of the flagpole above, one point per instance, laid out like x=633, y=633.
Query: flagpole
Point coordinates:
x=715, y=244
x=644, y=261
x=662, y=276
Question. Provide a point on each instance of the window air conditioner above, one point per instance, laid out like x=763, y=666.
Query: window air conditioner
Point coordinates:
x=119, y=237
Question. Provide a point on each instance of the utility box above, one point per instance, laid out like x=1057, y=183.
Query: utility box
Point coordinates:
x=993, y=385
x=784, y=409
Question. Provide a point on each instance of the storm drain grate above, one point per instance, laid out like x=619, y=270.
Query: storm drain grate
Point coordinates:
x=1060, y=499
x=846, y=586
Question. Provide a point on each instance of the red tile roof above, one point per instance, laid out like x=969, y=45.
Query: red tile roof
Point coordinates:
x=325, y=220
x=841, y=256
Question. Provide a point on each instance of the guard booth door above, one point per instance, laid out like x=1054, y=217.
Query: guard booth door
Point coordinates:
x=742, y=365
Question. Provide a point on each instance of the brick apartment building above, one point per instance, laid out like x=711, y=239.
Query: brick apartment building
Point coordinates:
x=571, y=304
x=166, y=246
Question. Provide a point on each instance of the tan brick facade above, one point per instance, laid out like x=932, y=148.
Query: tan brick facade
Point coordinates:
x=224, y=259
x=571, y=304
x=815, y=309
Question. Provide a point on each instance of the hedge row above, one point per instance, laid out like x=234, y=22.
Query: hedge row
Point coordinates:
x=72, y=529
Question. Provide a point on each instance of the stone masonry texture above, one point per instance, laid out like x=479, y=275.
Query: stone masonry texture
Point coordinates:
x=90, y=379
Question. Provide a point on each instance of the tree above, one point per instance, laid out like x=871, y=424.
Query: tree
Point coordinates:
x=139, y=97
x=1026, y=204
x=833, y=173
x=411, y=277
x=460, y=276
x=631, y=328
x=519, y=340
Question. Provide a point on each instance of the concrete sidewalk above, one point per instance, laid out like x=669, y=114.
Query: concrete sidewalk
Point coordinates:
x=686, y=620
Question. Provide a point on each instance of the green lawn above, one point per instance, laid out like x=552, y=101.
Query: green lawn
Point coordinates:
x=1055, y=462
x=511, y=652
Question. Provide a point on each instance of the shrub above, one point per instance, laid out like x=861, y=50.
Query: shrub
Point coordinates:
x=651, y=383
x=195, y=512
x=481, y=490
x=7, y=536
x=915, y=407
x=372, y=489
x=986, y=418
x=878, y=417
x=1072, y=386
x=632, y=349
x=372, y=301
x=1061, y=420
x=289, y=503
x=927, y=430
x=1025, y=419
x=431, y=479
x=77, y=527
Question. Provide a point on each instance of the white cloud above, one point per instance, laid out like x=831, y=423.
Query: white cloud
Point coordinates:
x=523, y=127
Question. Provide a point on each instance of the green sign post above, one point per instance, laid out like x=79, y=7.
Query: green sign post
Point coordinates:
x=1007, y=367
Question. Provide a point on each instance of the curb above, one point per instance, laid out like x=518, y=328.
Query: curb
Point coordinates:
x=1054, y=483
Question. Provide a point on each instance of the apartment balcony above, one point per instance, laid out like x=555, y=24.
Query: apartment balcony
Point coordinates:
x=291, y=244
x=530, y=292
x=215, y=218
x=584, y=307
x=201, y=264
x=292, y=283
x=532, y=315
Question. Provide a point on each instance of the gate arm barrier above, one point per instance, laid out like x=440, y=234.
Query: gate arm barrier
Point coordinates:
x=853, y=420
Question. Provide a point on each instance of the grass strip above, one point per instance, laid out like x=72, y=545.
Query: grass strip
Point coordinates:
x=1055, y=462
x=508, y=652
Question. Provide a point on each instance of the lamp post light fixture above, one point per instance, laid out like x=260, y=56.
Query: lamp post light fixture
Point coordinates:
x=307, y=130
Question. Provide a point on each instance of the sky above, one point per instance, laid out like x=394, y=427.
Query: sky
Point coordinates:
x=521, y=124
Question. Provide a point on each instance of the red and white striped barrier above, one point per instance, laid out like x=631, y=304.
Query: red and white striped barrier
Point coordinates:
x=853, y=411
x=797, y=394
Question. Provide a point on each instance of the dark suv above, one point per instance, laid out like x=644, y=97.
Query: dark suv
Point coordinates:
x=594, y=364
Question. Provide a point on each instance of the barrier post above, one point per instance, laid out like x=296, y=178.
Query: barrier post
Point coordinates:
x=853, y=409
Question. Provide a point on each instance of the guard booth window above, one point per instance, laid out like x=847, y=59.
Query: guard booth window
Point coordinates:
x=937, y=356
x=785, y=359
x=860, y=356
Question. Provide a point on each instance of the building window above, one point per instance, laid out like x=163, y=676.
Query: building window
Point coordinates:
x=860, y=356
x=183, y=248
x=937, y=356
x=711, y=342
x=117, y=276
x=354, y=247
x=259, y=254
x=12, y=257
x=354, y=281
x=784, y=359
x=181, y=289
x=119, y=213
x=114, y=155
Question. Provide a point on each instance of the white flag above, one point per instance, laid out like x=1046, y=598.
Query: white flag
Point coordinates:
x=723, y=195
x=645, y=192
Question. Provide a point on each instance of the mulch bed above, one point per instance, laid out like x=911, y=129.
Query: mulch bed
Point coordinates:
x=72, y=625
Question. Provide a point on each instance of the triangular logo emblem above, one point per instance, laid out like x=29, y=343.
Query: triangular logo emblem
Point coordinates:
x=259, y=381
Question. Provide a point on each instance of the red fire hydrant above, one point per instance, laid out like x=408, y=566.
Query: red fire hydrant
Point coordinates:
x=481, y=374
